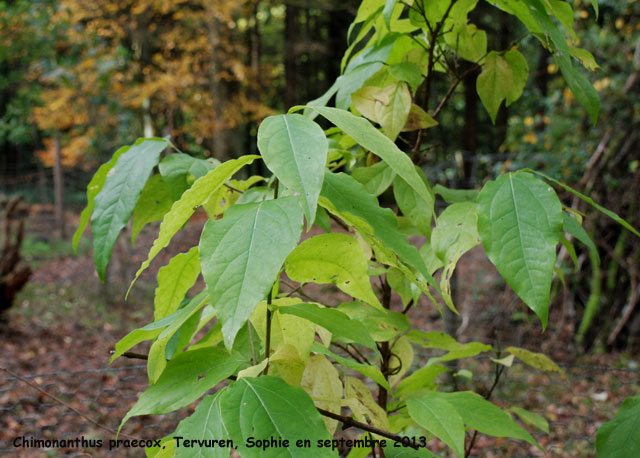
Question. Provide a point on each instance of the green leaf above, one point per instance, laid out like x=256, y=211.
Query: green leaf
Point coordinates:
x=174, y=280
x=295, y=149
x=321, y=381
x=266, y=407
x=442, y=341
x=520, y=223
x=93, y=189
x=585, y=57
x=455, y=234
x=418, y=119
x=393, y=115
x=413, y=207
x=288, y=330
x=148, y=332
x=422, y=379
x=573, y=227
x=382, y=325
x=370, y=138
x=204, y=424
x=408, y=72
x=349, y=197
x=435, y=414
x=388, y=11
x=375, y=178
x=180, y=164
x=520, y=70
x=365, y=100
x=468, y=41
x=588, y=200
x=116, y=200
x=536, y=360
x=241, y=256
x=486, y=417
x=368, y=371
x=620, y=437
x=580, y=86
x=195, y=196
x=453, y=196
x=155, y=201
x=531, y=418
x=186, y=377
x=495, y=83
x=333, y=258
x=334, y=321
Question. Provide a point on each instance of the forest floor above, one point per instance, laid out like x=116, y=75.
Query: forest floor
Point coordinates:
x=65, y=323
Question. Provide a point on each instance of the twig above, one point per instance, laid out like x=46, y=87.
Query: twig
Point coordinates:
x=347, y=421
x=347, y=351
x=233, y=188
x=63, y=403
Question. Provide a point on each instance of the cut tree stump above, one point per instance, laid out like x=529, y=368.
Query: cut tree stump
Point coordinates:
x=14, y=273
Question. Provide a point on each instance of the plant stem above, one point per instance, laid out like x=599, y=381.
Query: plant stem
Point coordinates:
x=347, y=421
x=268, y=332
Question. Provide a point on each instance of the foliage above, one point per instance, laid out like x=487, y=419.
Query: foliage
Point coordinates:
x=263, y=340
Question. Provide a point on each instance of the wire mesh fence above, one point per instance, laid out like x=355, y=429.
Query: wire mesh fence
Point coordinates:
x=574, y=406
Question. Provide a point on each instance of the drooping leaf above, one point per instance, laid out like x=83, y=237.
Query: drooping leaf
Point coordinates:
x=536, y=360
x=174, y=280
x=382, y=325
x=295, y=149
x=495, y=83
x=116, y=200
x=333, y=258
x=439, y=417
x=186, y=377
x=370, y=138
x=333, y=321
x=368, y=371
x=266, y=407
x=93, y=189
x=195, y=196
x=520, y=222
x=242, y=253
x=620, y=437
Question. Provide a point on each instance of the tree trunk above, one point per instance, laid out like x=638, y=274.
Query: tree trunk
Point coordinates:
x=58, y=189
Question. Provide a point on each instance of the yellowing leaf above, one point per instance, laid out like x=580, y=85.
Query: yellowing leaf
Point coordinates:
x=322, y=382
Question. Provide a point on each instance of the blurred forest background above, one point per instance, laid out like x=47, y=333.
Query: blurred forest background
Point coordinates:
x=79, y=79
